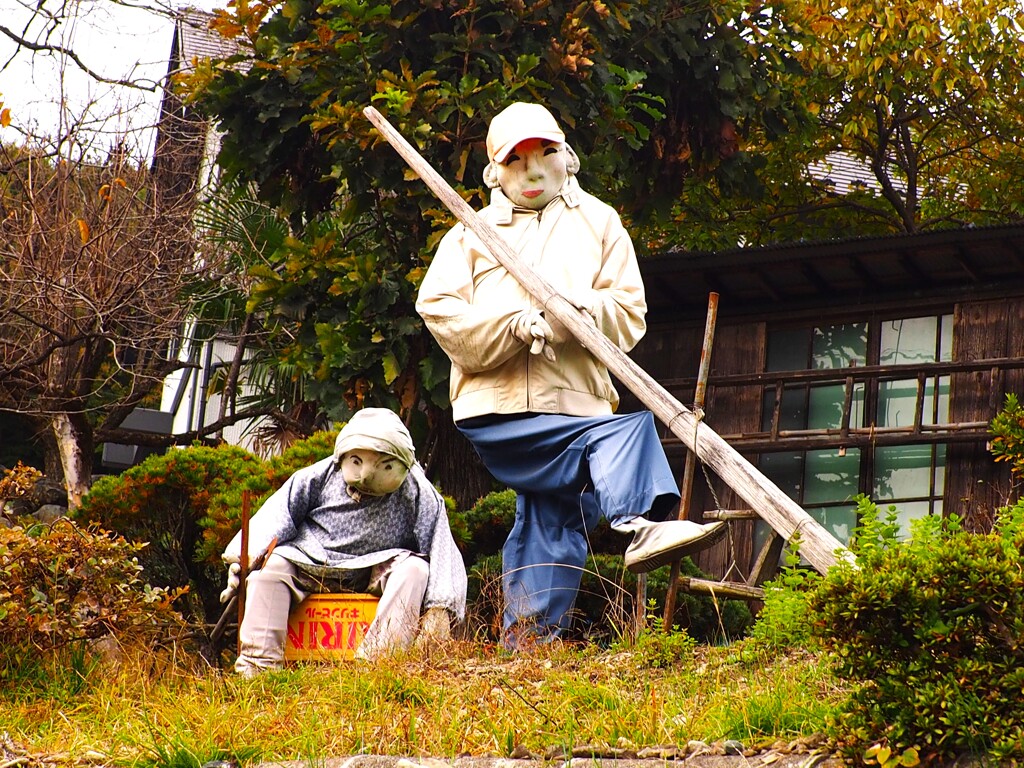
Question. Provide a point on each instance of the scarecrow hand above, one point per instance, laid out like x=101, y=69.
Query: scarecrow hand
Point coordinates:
x=530, y=327
x=436, y=627
x=233, y=580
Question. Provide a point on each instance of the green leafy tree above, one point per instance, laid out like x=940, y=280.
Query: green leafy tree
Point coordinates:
x=923, y=97
x=1007, y=430
x=651, y=94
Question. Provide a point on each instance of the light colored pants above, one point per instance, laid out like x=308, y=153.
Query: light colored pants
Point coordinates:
x=401, y=583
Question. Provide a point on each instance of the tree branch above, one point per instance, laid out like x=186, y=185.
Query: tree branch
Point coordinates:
x=157, y=440
x=23, y=42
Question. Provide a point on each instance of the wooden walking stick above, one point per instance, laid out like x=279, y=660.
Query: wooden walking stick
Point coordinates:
x=235, y=605
x=243, y=562
x=817, y=545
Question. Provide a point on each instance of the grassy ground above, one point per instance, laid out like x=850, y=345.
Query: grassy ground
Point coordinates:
x=464, y=698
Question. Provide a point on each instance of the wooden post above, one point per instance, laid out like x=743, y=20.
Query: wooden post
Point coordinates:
x=243, y=563
x=690, y=466
x=817, y=545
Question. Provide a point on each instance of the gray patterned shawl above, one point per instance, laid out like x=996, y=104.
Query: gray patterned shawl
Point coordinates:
x=317, y=522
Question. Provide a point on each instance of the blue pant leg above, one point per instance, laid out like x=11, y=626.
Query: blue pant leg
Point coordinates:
x=629, y=470
x=618, y=457
x=568, y=471
x=542, y=565
x=542, y=458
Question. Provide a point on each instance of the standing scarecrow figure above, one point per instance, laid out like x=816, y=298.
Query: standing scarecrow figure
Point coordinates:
x=537, y=406
x=363, y=520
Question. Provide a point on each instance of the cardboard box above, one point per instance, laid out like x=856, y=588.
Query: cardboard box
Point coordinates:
x=328, y=627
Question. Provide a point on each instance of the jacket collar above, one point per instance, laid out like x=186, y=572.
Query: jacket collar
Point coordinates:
x=504, y=209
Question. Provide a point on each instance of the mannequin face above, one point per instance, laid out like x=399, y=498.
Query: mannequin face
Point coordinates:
x=371, y=472
x=533, y=173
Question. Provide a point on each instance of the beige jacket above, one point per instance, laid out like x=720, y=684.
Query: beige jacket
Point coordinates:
x=469, y=301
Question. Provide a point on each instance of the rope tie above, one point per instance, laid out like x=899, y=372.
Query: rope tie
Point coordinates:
x=699, y=413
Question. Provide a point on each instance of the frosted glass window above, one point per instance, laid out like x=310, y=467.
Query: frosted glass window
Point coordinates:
x=839, y=346
x=787, y=350
x=940, y=471
x=825, y=409
x=898, y=399
x=946, y=339
x=903, y=471
x=838, y=520
x=896, y=402
x=831, y=476
x=786, y=470
x=941, y=413
x=792, y=415
x=907, y=341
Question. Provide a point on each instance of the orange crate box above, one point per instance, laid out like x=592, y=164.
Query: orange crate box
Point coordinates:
x=328, y=627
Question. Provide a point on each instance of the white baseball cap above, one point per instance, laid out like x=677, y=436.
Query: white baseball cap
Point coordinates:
x=518, y=122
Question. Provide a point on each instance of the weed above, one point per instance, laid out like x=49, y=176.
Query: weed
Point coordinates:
x=654, y=648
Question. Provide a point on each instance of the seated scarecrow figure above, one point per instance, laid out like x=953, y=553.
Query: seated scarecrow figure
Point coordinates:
x=366, y=519
x=539, y=407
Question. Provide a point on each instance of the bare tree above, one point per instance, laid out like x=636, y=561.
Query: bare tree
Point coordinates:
x=98, y=274
x=45, y=27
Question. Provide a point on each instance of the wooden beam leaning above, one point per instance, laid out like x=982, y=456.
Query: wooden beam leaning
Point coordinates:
x=785, y=516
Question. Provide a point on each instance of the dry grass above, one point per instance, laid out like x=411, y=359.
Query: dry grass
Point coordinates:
x=464, y=698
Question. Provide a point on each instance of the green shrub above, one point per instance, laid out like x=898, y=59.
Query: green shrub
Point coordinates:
x=223, y=514
x=1007, y=429
x=488, y=523
x=784, y=621
x=929, y=631
x=62, y=585
x=165, y=501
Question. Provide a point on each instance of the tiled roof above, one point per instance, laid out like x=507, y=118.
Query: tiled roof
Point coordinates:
x=828, y=273
x=844, y=173
x=194, y=39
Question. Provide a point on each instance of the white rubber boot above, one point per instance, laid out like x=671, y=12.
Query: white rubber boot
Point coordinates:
x=655, y=544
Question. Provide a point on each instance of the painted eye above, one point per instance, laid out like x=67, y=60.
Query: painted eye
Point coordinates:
x=551, y=151
x=511, y=159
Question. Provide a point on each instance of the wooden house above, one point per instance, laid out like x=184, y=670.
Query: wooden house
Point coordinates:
x=864, y=366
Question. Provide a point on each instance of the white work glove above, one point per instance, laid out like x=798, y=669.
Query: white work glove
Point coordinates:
x=233, y=580
x=436, y=627
x=530, y=327
x=587, y=300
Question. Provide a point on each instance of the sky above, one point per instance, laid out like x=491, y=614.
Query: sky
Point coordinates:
x=116, y=41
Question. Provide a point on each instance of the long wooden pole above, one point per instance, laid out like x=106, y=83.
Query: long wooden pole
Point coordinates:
x=817, y=545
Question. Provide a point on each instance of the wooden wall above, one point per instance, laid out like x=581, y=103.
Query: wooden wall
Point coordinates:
x=674, y=353
x=975, y=484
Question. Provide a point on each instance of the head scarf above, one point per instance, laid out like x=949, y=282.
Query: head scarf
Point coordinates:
x=376, y=429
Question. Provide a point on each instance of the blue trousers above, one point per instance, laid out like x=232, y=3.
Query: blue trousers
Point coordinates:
x=568, y=472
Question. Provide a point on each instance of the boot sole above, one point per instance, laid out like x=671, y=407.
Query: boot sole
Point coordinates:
x=678, y=553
